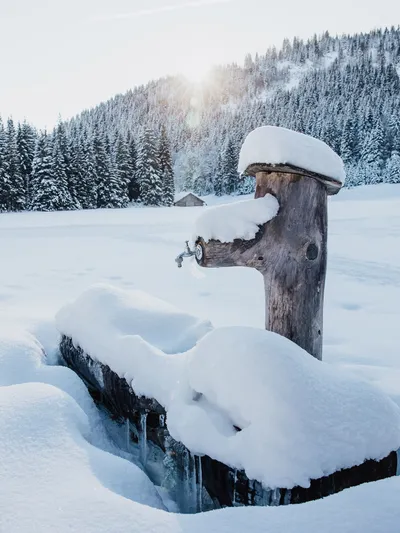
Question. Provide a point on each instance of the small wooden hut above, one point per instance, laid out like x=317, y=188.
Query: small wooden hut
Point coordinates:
x=189, y=200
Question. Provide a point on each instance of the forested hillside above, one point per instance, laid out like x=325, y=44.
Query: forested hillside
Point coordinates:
x=343, y=90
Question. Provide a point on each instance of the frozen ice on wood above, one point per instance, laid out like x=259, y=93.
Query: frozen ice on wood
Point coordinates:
x=278, y=146
x=240, y=220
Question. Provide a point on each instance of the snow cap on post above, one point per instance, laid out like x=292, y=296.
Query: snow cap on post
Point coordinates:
x=275, y=149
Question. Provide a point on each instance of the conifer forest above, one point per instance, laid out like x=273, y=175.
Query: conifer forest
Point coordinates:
x=173, y=135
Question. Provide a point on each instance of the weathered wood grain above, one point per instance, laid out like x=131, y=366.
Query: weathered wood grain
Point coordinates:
x=332, y=185
x=290, y=252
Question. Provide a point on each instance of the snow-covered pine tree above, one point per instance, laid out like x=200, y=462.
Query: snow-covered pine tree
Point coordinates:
x=64, y=200
x=84, y=172
x=109, y=193
x=347, y=146
x=4, y=182
x=395, y=135
x=63, y=145
x=148, y=170
x=352, y=176
x=200, y=184
x=44, y=189
x=124, y=168
x=330, y=134
x=189, y=172
x=167, y=175
x=247, y=185
x=26, y=141
x=89, y=173
x=229, y=168
x=102, y=165
x=372, y=154
x=77, y=175
x=393, y=168
x=219, y=178
x=16, y=191
x=133, y=186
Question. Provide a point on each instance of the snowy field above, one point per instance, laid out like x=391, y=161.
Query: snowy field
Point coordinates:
x=59, y=472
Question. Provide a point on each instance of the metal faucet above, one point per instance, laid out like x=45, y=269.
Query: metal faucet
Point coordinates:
x=186, y=253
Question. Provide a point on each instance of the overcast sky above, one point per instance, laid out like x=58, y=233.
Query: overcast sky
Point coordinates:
x=61, y=56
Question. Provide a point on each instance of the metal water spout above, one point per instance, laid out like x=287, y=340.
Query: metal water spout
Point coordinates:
x=186, y=253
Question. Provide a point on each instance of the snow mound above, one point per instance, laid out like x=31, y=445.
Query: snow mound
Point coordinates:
x=103, y=309
x=299, y=419
x=278, y=146
x=51, y=476
x=240, y=220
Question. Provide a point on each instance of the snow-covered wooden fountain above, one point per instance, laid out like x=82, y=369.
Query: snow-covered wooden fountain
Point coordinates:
x=283, y=236
x=241, y=416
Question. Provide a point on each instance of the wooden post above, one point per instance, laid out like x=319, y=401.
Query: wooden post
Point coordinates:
x=290, y=251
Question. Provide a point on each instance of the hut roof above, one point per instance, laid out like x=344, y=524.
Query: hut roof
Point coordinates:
x=180, y=196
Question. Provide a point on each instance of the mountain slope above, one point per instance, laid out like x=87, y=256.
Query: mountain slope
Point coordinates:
x=343, y=90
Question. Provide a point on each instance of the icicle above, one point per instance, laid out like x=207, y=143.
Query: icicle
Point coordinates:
x=287, y=497
x=170, y=468
x=199, y=485
x=192, y=483
x=234, y=487
x=128, y=434
x=266, y=501
x=250, y=492
x=276, y=496
x=143, y=438
x=189, y=483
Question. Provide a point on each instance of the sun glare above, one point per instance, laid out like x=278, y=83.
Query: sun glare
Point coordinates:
x=196, y=71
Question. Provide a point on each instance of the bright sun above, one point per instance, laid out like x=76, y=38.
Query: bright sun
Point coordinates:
x=196, y=70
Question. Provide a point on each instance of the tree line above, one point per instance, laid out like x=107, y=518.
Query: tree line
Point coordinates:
x=344, y=90
x=85, y=170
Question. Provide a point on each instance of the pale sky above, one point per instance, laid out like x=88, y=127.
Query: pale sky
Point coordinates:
x=61, y=56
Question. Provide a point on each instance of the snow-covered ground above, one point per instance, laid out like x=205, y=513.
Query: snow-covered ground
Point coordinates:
x=56, y=469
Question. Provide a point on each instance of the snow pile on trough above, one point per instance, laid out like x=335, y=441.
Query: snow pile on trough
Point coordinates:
x=240, y=220
x=278, y=146
x=131, y=313
x=299, y=418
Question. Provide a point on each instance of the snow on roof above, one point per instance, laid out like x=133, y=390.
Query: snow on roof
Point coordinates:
x=240, y=220
x=183, y=194
x=300, y=419
x=275, y=146
x=180, y=195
